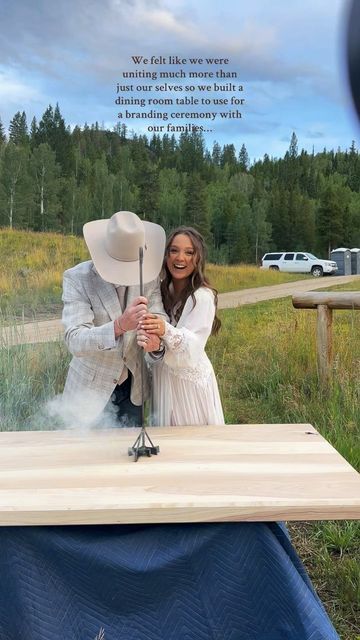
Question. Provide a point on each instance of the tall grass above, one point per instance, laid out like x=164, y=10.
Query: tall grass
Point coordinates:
x=30, y=375
x=246, y=276
x=32, y=269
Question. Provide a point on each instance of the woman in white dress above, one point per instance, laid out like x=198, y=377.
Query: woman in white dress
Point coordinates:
x=185, y=390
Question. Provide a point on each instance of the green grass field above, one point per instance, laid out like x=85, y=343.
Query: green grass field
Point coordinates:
x=265, y=361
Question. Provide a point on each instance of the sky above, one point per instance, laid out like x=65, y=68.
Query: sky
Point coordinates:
x=287, y=55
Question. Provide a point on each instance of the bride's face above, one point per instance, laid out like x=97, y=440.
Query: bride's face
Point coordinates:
x=181, y=257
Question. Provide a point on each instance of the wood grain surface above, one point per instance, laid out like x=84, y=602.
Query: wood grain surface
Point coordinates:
x=202, y=474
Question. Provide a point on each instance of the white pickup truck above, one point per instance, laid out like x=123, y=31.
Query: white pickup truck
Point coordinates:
x=298, y=262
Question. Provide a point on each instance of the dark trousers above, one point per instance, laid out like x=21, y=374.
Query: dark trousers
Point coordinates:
x=128, y=414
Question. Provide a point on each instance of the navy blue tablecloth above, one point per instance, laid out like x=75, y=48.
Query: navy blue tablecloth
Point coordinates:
x=230, y=581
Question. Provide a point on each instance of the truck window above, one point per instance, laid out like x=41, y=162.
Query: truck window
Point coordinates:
x=272, y=256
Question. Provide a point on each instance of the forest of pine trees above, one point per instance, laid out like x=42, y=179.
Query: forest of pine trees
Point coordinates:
x=55, y=179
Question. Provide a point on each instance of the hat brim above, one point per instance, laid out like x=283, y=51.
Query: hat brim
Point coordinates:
x=122, y=272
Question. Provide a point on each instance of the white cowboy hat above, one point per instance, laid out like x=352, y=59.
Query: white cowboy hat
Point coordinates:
x=114, y=247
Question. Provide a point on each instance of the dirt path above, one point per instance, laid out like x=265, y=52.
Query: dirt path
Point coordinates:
x=258, y=294
x=52, y=330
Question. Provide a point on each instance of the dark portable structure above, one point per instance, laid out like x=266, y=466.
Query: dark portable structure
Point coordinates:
x=355, y=261
x=342, y=257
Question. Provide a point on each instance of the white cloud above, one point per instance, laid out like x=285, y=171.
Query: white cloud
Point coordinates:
x=14, y=91
x=163, y=20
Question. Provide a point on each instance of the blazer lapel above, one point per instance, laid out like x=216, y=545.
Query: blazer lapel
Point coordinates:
x=108, y=295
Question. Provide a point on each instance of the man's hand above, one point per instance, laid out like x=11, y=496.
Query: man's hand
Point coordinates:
x=148, y=342
x=153, y=324
x=131, y=316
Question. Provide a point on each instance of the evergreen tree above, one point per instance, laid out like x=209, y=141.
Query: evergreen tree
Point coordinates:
x=103, y=189
x=312, y=182
x=123, y=132
x=216, y=154
x=228, y=157
x=196, y=207
x=52, y=131
x=190, y=152
x=353, y=168
x=332, y=214
x=279, y=218
x=293, y=148
x=155, y=146
x=261, y=230
x=33, y=133
x=308, y=230
x=353, y=237
x=148, y=184
x=223, y=206
x=146, y=179
x=62, y=143
x=168, y=157
x=45, y=130
x=2, y=134
x=244, y=161
x=239, y=249
x=171, y=199
x=18, y=129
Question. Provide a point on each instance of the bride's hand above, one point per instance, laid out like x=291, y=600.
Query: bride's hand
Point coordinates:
x=151, y=323
x=146, y=342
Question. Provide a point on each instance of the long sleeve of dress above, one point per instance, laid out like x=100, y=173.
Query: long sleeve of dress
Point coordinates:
x=185, y=343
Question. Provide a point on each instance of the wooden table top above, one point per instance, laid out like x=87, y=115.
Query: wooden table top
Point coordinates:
x=202, y=474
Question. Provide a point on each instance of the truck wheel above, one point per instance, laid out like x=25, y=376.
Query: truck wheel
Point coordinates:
x=317, y=272
x=273, y=268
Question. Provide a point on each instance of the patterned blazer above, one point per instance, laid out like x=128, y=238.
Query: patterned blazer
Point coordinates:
x=90, y=307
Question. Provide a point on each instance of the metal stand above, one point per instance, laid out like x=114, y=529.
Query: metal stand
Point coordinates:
x=142, y=446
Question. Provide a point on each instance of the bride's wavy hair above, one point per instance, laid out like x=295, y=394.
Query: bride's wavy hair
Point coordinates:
x=196, y=280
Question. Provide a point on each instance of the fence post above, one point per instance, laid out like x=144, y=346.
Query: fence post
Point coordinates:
x=324, y=342
x=325, y=302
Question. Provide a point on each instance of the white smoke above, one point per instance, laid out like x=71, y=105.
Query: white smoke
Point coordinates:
x=78, y=413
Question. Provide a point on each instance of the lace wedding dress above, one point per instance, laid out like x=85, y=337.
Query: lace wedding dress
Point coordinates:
x=185, y=391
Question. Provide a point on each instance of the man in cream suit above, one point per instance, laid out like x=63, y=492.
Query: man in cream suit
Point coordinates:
x=102, y=310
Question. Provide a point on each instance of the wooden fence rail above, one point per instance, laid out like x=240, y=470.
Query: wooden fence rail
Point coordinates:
x=325, y=302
